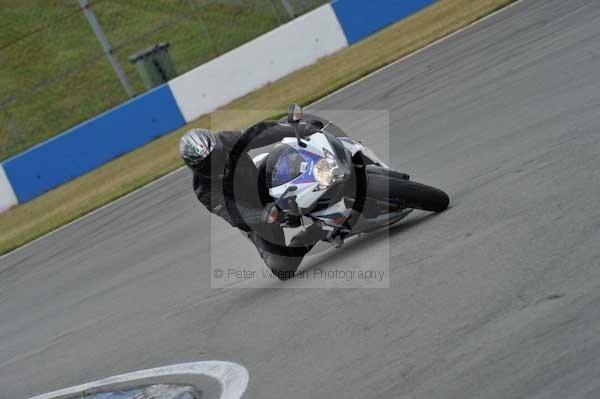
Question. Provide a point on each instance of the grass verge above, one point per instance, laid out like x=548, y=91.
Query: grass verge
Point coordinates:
x=131, y=171
x=50, y=60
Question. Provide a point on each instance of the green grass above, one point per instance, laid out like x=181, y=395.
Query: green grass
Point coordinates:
x=122, y=175
x=53, y=73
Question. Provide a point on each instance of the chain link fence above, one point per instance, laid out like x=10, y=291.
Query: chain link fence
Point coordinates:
x=54, y=73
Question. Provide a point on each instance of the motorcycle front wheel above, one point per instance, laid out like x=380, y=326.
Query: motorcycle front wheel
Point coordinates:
x=390, y=185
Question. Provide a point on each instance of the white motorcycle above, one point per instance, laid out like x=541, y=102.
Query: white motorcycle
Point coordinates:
x=338, y=184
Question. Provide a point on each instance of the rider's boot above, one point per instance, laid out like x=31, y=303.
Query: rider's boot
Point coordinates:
x=281, y=260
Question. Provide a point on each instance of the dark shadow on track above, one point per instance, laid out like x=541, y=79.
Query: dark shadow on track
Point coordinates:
x=356, y=244
x=255, y=297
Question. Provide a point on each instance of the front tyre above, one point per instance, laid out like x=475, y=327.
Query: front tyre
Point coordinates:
x=394, y=188
x=418, y=196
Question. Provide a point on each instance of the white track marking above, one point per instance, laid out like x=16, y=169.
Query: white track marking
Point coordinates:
x=232, y=377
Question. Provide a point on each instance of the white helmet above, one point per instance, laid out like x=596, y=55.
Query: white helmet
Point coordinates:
x=196, y=146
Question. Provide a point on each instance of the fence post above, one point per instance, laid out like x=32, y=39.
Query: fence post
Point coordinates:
x=196, y=10
x=13, y=129
x=288, y=7
x=87, y=10
x=274, y=9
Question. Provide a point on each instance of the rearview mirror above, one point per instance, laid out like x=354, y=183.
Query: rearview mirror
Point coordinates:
x=294, y=113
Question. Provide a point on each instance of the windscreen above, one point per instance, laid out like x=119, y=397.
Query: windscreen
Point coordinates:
x=283, y=165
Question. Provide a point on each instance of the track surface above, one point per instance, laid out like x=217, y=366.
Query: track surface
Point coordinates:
x=499, y=297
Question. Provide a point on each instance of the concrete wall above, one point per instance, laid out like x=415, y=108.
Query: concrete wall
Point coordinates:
x=259, y=62
x=7, y=194
x=265, y=59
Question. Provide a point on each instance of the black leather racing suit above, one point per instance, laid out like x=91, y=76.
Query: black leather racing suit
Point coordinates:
x=234, y=190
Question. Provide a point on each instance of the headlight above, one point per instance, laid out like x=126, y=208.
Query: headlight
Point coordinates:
x=327, y=172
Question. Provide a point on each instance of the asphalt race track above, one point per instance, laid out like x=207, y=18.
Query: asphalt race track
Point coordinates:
x=498, y=297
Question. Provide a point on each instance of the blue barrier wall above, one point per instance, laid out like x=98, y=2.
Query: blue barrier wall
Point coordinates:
x=361, y=18
x=93, y=143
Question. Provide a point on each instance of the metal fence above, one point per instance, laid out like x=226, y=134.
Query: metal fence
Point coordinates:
x=55, y=74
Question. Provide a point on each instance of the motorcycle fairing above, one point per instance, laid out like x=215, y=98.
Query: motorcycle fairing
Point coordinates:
x=307, y=192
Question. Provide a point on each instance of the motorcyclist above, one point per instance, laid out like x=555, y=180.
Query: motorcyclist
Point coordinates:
x=227, y=182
